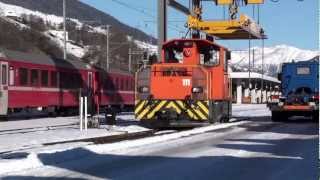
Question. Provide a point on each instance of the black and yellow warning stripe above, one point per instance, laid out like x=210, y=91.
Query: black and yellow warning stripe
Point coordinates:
x=196, y=110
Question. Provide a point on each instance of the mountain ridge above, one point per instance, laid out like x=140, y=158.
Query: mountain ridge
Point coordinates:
x=274, y=57
x=83, y=12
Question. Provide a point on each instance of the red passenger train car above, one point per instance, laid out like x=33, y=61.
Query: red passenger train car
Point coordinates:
x=38, y=81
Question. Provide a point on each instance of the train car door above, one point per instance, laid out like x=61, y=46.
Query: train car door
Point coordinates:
x=3, y=88
x=90, y=91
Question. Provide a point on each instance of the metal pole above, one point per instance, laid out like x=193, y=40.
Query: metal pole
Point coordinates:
x=130, y=56
x=262, y=68
x=253, y=58
x=162, y=25
x=86, y=113
x=108, y=50
x=250, y=63
x=81, y=112
x=64, y=30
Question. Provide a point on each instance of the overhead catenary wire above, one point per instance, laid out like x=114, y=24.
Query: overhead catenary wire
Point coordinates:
x=144, y=12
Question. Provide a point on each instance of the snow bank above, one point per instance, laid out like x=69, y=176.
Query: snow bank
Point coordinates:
x=250, y=110
x=33, y=160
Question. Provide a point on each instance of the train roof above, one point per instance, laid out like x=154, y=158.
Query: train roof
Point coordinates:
x=42, y=59
x=198, y=41
x=314, y=60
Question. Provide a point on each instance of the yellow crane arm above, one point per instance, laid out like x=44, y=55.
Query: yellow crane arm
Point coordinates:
x=243, y=28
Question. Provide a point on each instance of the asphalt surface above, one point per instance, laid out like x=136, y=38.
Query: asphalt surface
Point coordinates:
x=257, y=150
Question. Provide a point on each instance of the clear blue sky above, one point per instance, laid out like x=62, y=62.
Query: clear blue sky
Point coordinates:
x=290, y=22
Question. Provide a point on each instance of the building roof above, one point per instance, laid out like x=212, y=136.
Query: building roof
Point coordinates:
x=253, y=75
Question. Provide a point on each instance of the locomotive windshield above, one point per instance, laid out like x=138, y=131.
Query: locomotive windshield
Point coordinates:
x=303, y=70
x=209, y=57
x=174, y=55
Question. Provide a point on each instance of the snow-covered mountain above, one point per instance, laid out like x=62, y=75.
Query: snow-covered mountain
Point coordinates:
x=273, y=57
x=85, y=40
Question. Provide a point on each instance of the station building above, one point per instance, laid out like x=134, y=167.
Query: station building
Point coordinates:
x=259, y=90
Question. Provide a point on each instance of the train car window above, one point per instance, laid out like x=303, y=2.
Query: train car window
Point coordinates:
x=128, y=84
x=34, y=77
x=44, y=78
x=132, y=84
x=77, y=83
x=11, y=76
x=90, y=80
x=4, y=71
x=23, y=76
x=122, y=84
x=63, y=81
x=54, y=79
x=116, y=84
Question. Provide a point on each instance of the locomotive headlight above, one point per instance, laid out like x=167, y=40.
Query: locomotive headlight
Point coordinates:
x=197, y=90
x=143, y=89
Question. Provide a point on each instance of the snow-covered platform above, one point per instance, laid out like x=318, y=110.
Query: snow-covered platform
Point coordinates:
x=21, y=150
x=37, y=133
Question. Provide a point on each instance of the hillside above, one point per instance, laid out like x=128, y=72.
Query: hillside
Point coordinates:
x=82, y=12
x=33, y=31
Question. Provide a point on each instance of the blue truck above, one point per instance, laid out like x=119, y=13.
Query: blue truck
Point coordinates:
x=299, y=91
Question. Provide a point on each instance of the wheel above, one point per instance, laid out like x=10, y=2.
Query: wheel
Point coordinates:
x=315, y=116
x=278, y=116
x=3, y=117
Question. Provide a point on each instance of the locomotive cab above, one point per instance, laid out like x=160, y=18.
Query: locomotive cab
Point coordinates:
x=190, y=83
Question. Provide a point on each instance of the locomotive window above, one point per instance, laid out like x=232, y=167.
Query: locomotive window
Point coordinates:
x=44, y=78
x=34, y=77
x=303, y=70
x=23, y=76
x=226, y=60
x=54, y=79
x=4, y=74
x=174, y=55
x=209, y=57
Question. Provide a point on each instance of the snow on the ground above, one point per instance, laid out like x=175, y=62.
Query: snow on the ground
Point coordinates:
x=250, y=110
x=31, y=160
x=36, y=123
x=19, y=134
